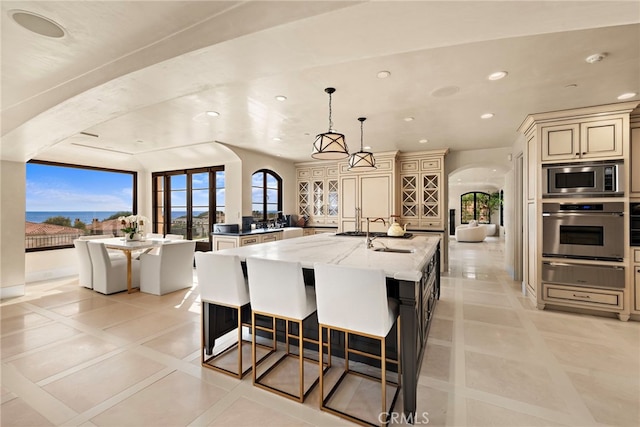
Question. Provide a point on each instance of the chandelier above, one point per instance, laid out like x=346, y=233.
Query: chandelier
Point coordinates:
x=362, y=160
x=330, y=145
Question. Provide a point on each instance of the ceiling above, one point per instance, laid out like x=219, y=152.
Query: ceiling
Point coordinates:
x=136, y=78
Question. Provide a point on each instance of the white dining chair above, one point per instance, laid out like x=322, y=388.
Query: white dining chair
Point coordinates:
x=277, y=290
x=85, y=275
x=354, y=301
x=169, y=270
x=221, y=282
x=110, y=274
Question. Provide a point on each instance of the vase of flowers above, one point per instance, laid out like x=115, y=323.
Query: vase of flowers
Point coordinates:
x=132, y=226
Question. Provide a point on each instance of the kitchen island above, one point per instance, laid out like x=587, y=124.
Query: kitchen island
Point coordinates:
x=413, y=277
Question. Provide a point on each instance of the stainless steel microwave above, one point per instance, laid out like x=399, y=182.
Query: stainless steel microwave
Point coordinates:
x=604, y=179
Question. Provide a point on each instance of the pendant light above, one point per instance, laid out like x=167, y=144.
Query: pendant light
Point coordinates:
x=362, y=160
x=330, y=145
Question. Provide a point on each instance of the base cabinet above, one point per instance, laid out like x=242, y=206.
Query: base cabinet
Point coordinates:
x=229, y=242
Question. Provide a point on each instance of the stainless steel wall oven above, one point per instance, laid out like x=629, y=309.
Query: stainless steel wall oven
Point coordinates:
x=583, y=230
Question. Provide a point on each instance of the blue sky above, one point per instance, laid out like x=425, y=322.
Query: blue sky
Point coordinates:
x=55, y=188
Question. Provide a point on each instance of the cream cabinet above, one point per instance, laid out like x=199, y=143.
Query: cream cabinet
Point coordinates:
x=422, y=190
x=368, y=194
x=634, y=172
x=588, y=140
x=636, y=284
x=228, y=242
x=318, y=196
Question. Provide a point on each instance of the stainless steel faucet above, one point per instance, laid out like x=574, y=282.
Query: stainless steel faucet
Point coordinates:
x=370, y=239
x=358, y=225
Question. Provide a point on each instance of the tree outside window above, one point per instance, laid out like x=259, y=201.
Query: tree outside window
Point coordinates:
x=475, y=206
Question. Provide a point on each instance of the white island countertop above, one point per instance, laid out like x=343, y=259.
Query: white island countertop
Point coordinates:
x=348, y=251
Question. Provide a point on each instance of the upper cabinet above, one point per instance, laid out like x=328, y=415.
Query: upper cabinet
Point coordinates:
x=583, y=139
x=634, y=173
x=422, y=189
x=318, y=197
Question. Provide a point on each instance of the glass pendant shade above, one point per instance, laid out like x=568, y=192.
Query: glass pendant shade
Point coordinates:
x=330, y=145
x=362, y=160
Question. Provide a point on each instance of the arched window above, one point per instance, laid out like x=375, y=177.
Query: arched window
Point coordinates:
x=266, y=195
x=475, y=205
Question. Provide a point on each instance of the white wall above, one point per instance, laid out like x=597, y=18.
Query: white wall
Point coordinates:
x=12, y=217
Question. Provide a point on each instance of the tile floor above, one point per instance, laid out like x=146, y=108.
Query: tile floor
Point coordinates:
x=74, y=357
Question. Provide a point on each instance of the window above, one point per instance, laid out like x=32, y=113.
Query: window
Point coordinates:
x=183, y=201
x=266, y=195
x=475, y=205
x=67, y=201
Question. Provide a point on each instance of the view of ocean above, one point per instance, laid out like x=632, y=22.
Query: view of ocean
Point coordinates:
x=85, y=217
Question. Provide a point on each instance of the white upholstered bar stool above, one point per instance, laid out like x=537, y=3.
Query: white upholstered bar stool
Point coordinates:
x=354, y=301
x=221, y=282
x=277, y=290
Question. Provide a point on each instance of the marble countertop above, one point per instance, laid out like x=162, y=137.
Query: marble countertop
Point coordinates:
x=349, y=251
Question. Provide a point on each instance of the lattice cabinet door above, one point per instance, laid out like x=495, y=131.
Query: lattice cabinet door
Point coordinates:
x=332, y=197
x=303, y=198
x=409, y=194
x=431, y=183
x=318, y=198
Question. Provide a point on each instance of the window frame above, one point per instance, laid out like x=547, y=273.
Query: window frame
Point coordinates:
x=264, y=187
x=166, y=200
x=475, y=207
x=134, y=192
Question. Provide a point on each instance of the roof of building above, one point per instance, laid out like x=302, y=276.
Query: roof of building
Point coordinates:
x=40, y=228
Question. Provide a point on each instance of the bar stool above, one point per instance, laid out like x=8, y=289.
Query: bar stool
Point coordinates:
x=277, y=291
x=354, y=301
x=222, y=283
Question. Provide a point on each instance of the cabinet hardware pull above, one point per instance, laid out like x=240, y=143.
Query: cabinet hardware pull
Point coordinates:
x=581, y=296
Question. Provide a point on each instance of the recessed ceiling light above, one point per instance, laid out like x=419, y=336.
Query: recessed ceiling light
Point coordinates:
x=408, y=119
x=366, y=147
x=493, y=170
x=276, y=139
x=497, y=75
x=383, y=74
x=213, y=113
x=627, y=95
x=597, y=57
x=37, y=24
x=486, y=116
x=281, y=98
x=423, y=141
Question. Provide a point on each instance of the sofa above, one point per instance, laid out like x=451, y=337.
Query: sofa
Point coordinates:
x=471, y=232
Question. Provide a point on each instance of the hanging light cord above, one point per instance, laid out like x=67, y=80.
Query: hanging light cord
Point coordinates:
x=361, y=133
x=330, y=121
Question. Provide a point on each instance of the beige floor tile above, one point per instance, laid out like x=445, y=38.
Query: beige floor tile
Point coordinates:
x=179, y=342
x=143, y=326
x=244, y=412
x=612, y=400
x=42, y=364
x=63, y=297
x=493, y=315
x=432, y=407
x=486, y=298
x=436, y=362
x=285, y=376
x=22, y=321
x=518, y=380
x=598, y=357
x=572, y=325
x=499, y=340
x=110, y=315
x=445, y=308
x=10, y=310
x=17, y=413
x=174, y=400
x=83, y=306
x=94, y=384
x=484, y=414
x=441, y=329
x=29, y=339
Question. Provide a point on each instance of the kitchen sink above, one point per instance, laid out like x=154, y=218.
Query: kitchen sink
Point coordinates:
x=373, y=234
x=398, y=251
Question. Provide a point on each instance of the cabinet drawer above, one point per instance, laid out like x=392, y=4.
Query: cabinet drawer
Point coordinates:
x=430, y=164
x=332, y=172
x=317, y=173
x=269, y=238
x=431, y=224
x=636, y=256
x=245, y=241
x=303, y=173
x=408, y=166
x=590, y=297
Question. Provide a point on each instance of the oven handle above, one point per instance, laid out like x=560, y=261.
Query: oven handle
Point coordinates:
x=564, y=264
x=584, y=214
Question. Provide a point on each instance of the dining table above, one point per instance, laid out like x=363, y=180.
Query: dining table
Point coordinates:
x=128, y=247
